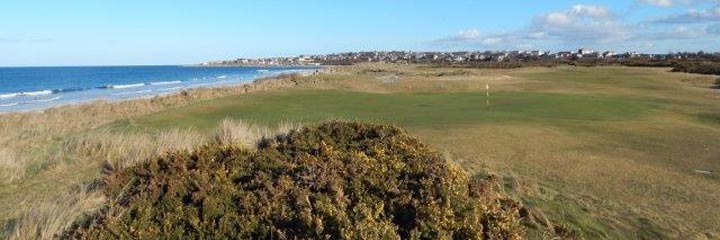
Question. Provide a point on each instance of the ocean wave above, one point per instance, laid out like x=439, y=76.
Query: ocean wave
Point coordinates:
x=263, y=70
x=18, y=94
x=69, y=90
x=123, y=86
x=36, y=93
x=222, y=77
x=133, y=92
x=9, y=105
x=40, y=100
x=169, y=89
x=9, y=95
x=39, y=93
x=165, y=83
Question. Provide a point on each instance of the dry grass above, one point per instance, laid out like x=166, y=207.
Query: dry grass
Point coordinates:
x=41, y=219
x=247, y=134
x=287, y=126
x=44, y=153
x=44, y=220
x=12, y=167
x=25, y=136
x=239, y=133
x=120, y=150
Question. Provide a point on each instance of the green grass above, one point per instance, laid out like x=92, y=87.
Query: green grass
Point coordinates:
x=627, y=140
x=431, y=110
x=611, y=152
x=712, y=119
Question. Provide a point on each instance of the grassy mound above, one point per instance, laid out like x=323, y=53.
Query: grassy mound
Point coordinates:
x=337, y=180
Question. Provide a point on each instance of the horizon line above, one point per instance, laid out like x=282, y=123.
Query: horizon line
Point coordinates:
x=286, y=56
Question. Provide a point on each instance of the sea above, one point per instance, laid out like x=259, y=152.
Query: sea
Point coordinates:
x=37, y=88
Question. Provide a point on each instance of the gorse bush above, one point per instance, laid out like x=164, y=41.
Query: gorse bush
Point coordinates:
x=698, y=67
x=337, y=180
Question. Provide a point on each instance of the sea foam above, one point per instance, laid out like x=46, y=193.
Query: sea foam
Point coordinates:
x=36, y=93
x=41, y=100
x=133, y=92
x=126, y=86
x=33, y=93
x=9, y=105
x=9, y=95
x=165, y=83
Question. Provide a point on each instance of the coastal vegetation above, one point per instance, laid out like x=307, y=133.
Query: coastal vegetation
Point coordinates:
x=603, y=152
x=705, y=67
x=338, y=180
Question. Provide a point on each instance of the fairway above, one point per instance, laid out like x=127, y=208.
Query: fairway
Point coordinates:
x=429, y=110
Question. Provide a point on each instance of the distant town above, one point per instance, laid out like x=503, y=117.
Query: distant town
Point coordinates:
x=580, y=55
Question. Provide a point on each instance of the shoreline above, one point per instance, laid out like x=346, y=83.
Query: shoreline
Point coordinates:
x=154, y=93
x=258, y=66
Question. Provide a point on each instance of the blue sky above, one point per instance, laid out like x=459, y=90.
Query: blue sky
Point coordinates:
x=114, y=32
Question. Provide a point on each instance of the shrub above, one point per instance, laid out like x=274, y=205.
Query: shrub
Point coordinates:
x=337, y=180
x=698, y=67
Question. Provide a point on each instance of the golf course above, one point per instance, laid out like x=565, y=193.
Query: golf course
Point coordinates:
x=594, y=152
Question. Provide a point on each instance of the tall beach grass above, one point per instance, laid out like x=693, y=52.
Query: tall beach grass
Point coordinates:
x=58, y=147
x=43, y=219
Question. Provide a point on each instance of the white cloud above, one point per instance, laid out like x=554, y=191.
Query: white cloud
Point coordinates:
x=713, y=29
x=676, y=33
x=492, y=40
x=692, y=16
x=588, y=25
x=590, y=11
x=469, y=34
x=673, y=3
x=659, y=3
x=575, y=13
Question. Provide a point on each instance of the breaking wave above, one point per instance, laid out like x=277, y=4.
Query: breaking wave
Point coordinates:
x=33, y=93
x=165, y=83
x=123, y=86
x=9, y=105
x=41, y=100
x=9, y=95
x=133, y=92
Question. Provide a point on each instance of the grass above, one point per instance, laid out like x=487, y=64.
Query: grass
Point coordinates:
x=607, y=142
x=46, y=155
x=712, y=119
x=607, y=152
x=51, y=202
x=410, y=110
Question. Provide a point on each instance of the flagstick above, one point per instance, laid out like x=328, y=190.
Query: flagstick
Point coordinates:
x=487, y=93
